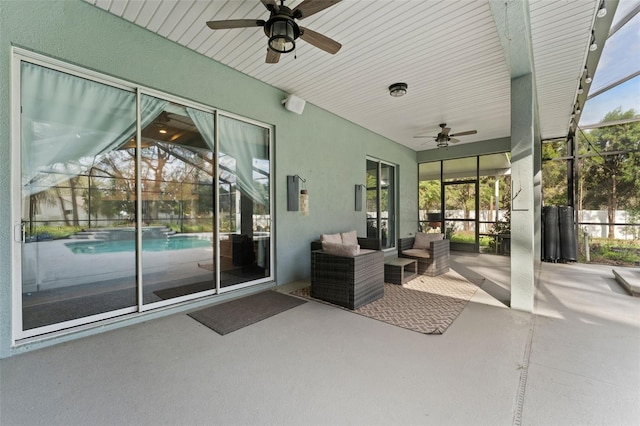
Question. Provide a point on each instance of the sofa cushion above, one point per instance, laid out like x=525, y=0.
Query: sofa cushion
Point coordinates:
x=331, y=238
x=423, y=241
x=339, y=249
x=350, y=238
x=414, y=252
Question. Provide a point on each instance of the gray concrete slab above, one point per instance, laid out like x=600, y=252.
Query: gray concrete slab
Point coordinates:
x=315, y=364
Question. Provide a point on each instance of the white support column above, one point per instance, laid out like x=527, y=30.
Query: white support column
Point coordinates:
x=523, y=219
x=512, y=22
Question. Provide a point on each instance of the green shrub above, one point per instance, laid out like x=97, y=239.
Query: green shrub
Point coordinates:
x=53, y=232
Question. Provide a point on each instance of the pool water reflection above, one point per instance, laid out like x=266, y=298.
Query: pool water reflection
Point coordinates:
x=153, y=244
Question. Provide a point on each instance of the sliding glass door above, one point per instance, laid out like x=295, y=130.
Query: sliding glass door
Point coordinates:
x=75, y=180
x=177, y=173
x=119, y=206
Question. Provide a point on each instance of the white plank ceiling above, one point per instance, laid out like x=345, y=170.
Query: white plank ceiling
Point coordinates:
x=447, y=51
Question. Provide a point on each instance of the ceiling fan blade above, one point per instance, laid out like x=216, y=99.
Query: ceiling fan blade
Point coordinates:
x=320, y=41
x=309, y=7
x=453, y=140
x=271, y=5
x=468, y=132
x=445, y=131
x=272, y=56
x=235, y=23
x=423, y=136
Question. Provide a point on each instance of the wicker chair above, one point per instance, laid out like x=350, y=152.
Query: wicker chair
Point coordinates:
x=347, y=281
x=432, y=261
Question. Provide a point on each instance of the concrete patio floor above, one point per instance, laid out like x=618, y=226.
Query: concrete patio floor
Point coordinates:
x=576, y=361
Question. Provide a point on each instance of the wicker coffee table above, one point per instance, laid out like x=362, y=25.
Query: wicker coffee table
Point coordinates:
x=399, y=271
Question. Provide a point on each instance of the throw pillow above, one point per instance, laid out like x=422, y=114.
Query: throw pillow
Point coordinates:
x=350, y=238
x=346, y=250
x=331, y=238
x=423, y=241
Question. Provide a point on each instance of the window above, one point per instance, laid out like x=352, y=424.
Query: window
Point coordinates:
x=473, y=193
x=381, y=202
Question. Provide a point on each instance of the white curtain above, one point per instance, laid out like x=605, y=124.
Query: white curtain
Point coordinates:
x=68, y=121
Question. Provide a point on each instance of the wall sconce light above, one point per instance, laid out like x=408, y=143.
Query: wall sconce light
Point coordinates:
x=359, y=188
x=577, y=108
x=398, y=89
x=304, y=202
x=593, y=46
x=580, y=89
x=297, y=200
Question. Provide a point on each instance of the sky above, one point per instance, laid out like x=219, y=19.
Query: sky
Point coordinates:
x=620, y=58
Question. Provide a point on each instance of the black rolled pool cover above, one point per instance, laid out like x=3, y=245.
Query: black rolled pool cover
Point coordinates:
x=568, y=240
x=550, y=235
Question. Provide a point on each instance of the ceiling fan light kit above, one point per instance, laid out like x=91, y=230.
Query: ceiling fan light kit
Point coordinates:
x=398, y=89
x=281, y=27
x=443, y=138
x=282, y=34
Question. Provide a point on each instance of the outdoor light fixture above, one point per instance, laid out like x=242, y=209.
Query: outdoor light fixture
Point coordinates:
x=580, y=89
x=360, y=188
x=398, y=89
x=282, y=35
x=587, y=78
x=577, y=109
x=593, y=46
x=297, y=200
x=304, y=202
x=602, y=11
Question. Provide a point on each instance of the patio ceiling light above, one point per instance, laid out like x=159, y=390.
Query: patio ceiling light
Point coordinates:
x=398, y=89
x=593, y=46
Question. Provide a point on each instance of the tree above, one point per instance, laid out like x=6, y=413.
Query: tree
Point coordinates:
x=554, y=173
x=429, y=195
x=610, y=168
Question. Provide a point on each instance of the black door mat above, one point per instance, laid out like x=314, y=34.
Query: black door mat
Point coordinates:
x=236, y=314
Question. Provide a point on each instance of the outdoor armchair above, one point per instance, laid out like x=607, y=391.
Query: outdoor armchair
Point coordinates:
x=431, y=253
x=347, y=278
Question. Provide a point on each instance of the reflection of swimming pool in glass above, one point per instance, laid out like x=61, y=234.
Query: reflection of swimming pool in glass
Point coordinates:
x=151, y=244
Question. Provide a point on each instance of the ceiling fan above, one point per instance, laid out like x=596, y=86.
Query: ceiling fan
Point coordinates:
x=282, y=29
x=443, y=138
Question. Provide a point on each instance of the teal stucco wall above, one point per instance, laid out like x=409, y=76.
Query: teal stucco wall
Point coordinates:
x=327, y=150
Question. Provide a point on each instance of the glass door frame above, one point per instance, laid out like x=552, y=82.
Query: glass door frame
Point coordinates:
x=393, y=201
x=475, y=220
x=18, y=335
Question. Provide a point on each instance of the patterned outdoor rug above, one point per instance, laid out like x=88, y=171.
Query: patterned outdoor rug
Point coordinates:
x=427, y=305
